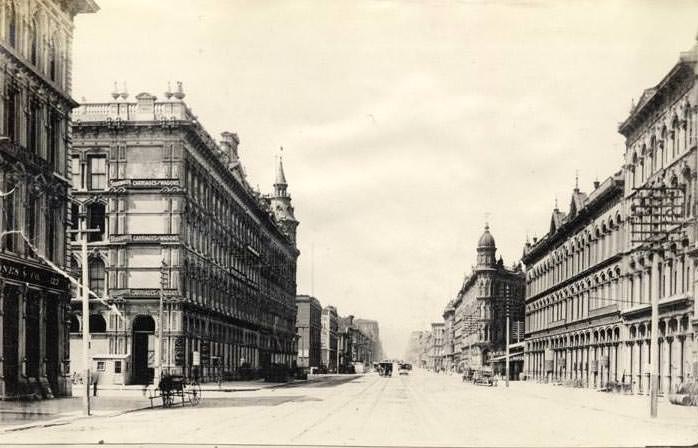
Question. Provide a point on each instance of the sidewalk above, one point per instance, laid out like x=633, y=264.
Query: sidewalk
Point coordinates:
x=111, y=400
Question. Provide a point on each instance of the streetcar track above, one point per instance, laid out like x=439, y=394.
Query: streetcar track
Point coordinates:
x=338, y=408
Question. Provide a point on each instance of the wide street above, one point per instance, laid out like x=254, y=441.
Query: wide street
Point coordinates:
x=416, y=410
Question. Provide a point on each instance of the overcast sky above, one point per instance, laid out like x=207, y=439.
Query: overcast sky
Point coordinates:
x=403, y=123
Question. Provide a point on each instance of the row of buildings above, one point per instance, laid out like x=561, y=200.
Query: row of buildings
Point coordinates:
x=581, y=311
x=473, y=331
x=592, y=277
x=332, y=343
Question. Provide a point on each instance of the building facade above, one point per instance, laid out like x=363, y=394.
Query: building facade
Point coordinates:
x=36, y=60
x=309, y=331
x=574, y=295
x=487, y=296
x=177, y=219
x=436, y=346
x=448, y=344
x=344, y=343
x=329, y=338
x=371, y=329
x=592, y=279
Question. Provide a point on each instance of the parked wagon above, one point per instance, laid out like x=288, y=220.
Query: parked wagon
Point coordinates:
x=173, y=389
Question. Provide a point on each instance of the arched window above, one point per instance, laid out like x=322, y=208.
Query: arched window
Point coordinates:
x=34, y=41
x=52, y=58
x=11, y=23
x=97, y=324
x=97, y=276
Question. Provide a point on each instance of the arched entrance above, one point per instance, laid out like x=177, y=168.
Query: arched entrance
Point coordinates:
x=143, y=349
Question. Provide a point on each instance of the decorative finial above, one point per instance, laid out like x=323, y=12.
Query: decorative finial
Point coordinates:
x=124, y=92
x=487, y=221
x=555, y=202
x=115, y=93
x=632, y=105
x=168, y=93
x=179, y=94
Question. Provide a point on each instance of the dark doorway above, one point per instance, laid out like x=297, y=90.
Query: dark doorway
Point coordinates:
x=10, y=338
x=52, y=343
x=32, y=331
x=143, y=349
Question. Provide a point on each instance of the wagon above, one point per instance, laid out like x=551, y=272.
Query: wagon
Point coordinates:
x=175, y=388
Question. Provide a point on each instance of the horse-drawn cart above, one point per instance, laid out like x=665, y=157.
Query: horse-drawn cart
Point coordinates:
x=174, y=388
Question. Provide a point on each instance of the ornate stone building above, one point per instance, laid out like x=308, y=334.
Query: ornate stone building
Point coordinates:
x=448, y=344
x=481, y=306
x=35, y=75
x=592, y=278
x=175, y=210
x=574, y=277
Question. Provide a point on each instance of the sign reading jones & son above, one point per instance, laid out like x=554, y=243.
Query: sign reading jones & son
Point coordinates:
x=11, y=270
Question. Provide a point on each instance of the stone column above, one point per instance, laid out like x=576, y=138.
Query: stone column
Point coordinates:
x=664, y=366
x=568, y=361
x=3, y=388
x=22, y=384
x=639, y=371
x=677, y=359
x=612, y=368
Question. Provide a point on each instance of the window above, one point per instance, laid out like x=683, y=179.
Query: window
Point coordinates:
x=10, y=107
x=34, y=41
x=74, y=220
x=98, y=173
x=76, y=173
x=117, y=366
x=30, y=217
x=97, y=324
x=95, y=220
x=52, y=59
x=8, y=208
x=97, y=276
x=100, y=366
x=54, y=141
x=34, y=127
x=50, y=243
x=11, y=24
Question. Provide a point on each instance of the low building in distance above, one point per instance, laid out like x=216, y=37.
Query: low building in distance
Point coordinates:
x=309, y=331
x=177, y=216
x=329, y=338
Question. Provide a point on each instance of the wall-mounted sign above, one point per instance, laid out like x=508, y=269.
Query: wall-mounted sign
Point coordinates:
x=179, y=350
x=196, y=359
x=12, y=270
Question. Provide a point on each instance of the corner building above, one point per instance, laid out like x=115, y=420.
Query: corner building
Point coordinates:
x=35, y=76
x=175, y=210
x=481, y=306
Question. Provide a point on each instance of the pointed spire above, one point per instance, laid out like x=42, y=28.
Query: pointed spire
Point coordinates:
x=280, y=176
x=576, y=180
x=556, y=208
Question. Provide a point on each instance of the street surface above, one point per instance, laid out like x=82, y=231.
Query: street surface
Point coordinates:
x=422, y=409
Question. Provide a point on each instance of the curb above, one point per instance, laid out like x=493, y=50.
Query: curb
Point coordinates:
x=60, y=421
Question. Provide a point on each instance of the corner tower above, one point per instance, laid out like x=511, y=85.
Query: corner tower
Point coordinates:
x=486, y=249
x=281, y=205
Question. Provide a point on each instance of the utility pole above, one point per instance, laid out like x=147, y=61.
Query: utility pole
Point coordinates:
x=654, y=347
x=507, y=306
x=84, y=296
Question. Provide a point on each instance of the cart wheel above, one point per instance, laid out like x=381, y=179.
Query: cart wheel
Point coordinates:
x=194, y=393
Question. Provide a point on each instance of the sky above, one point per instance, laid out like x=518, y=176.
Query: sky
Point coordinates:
x=405, y=124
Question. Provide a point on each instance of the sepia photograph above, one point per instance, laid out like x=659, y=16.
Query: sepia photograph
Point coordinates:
x=349, y=223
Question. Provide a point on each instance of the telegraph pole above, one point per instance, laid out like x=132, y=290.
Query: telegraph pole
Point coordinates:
x=507, y=309
x=84, y=296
